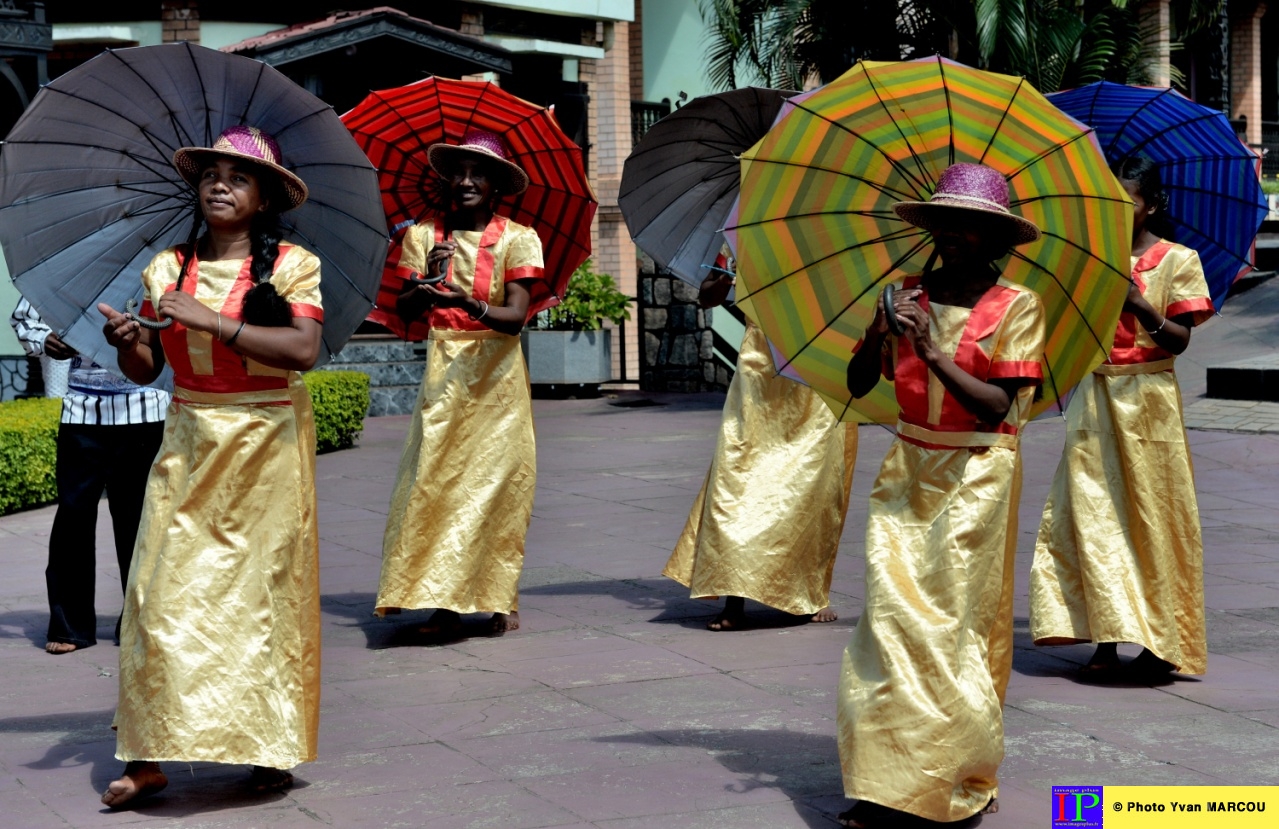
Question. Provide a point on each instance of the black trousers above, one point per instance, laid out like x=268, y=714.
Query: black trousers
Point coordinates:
x=92, y=459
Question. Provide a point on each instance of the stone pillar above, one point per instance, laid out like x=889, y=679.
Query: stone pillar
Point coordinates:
x=609, y=133
x=678, y=343
x=637, y=53
x=1156, y=20
x=180, y=20
x=1245, y=68
x=472, y=23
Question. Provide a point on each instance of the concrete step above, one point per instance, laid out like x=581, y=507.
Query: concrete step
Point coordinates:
x=1253, y=378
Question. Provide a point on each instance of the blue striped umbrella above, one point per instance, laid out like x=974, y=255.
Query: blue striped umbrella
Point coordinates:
x=1215, y=202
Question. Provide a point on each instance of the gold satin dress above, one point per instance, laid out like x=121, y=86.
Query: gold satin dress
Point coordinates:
x=767, y=522
x=464, y=492
x=1119, y=557
x=220, y=644
x=921, y=692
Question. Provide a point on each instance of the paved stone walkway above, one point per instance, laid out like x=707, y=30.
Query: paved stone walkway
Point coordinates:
x=614, y=707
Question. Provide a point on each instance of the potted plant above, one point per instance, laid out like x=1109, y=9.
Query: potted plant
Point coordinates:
x=567, y=347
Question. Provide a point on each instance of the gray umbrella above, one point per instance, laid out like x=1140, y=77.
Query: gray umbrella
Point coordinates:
x=88, y=195
x=682, y=178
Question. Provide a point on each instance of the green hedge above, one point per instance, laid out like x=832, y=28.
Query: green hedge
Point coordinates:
x=29, y=434
x=28, y=453
x=340, y=400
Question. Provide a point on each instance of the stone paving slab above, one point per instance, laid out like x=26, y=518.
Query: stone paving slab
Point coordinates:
x=614, y=707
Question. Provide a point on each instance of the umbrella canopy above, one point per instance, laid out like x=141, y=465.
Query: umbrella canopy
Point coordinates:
x=396, y=126
x=680, y=181
x=1213, y=180
x=88, y=194
x=816, y=238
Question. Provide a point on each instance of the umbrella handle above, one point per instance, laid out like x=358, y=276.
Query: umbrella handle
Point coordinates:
x=890, y=316
x=155, y=325
x=421, y=279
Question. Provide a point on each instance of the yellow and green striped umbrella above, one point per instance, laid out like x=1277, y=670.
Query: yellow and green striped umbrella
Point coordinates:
x=816, y=238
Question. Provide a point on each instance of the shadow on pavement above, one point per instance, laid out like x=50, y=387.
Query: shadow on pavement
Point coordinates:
x=803, y=767
x=398, y=630
x=668, y=598
x=85, y=738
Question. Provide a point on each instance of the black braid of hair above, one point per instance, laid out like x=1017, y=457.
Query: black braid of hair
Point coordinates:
x=192, y=239
x=262, y=305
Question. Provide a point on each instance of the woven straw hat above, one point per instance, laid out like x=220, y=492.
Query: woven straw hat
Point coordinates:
x=486, y=145
x=971, y=187
x=249, y=143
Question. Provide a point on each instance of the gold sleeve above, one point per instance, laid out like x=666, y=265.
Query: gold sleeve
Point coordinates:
x=524, y=256
x=418, y=240
x=1187, y=285
x=297, y=279
x=1019, y=348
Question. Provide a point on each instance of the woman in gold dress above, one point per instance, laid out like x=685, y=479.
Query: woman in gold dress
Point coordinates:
x=464, y=493
x=1119, y=556
x=767, y=522
x=920, y=720
x=220, y=646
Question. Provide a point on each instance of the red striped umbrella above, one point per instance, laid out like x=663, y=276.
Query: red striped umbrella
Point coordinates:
x=395, y=127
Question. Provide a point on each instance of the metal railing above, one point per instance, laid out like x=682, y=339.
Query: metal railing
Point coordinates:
x=644, y=114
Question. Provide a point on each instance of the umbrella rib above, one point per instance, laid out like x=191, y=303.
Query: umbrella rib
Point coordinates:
x=1089, y=253
x=1052, y=380
x=151, y=138
x=381, y=231
x=178, y=129
x=1216, y=195
x=307, y=117
x=1003, y=116
x=894, y=163
x=889, y=215
x=921, y=188
x=43, y=196
x=1092, y=107
x=896, y=236
x=333, y=264
x=1082, y=196
x=91, y=233
x=882, y=188
x=422, y=146
x=1018, y=255
x=1053, y=149
x=874, y=283
x=950, y=116
x=248, y=102
x=93, y=303
x=204, y=96
x=1226, y=250
x=1114, y=140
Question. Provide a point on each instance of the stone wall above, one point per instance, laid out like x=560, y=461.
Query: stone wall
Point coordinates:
x=679, y=352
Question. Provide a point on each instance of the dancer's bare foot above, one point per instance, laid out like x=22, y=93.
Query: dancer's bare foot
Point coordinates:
x=992, y=807
x=58, y=647
x=140, y=779
x=824, y=615
x=443, y=624
x=266, y=779
x=504, y=623
x=732, y=617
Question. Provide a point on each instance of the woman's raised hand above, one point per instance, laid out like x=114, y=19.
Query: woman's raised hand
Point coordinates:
x=447, y=295
x=186, y=309
x=123, y=333
x=437, y=259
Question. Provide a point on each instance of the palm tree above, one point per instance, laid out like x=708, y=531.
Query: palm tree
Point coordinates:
x=1054, y=44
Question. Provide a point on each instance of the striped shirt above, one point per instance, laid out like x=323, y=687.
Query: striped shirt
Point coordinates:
x=95, y=396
